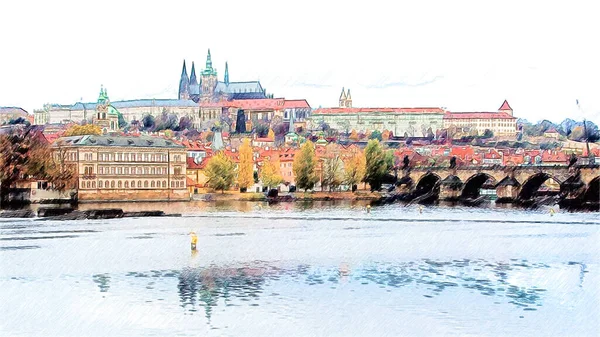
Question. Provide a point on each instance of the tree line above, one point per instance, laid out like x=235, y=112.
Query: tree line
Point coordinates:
x=371, y=166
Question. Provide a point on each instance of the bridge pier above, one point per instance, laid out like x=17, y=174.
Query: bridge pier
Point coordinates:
x=507, y=190
x=450, y=188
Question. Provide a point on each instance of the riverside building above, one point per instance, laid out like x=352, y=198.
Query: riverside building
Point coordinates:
x=125, y=168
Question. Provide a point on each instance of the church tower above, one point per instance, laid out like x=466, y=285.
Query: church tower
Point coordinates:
x=209, y=79
x=107, y=117
x=345, y=99
x=348, y=99
x=226, y=79
x=184, y=84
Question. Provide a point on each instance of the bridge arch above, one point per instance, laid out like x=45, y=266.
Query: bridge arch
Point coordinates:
x=593, y=190
x=531, y=186
x=427, y=183
x=474, y=183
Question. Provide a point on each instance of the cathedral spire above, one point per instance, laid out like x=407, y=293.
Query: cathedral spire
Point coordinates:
x=184, y=83
x=193, y=80
x=226, y=79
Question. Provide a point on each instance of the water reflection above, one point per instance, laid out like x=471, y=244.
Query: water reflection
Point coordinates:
x=207, y=286
x=103, y=282
x=213, y=286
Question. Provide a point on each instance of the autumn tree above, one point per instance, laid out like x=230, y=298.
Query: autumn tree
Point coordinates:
x=220, y=172
x=385, y=136
x=271, y=134
x=270, y=173
x=245, y=167
x=354, y=169
x=81, y=130
x=376, y=166
x=24, y=153
x=354, y=135
x=333, y=172
x=304, y=167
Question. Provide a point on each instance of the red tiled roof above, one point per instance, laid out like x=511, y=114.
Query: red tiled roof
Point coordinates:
x=191, y=164
x=505, y=106
x=257, y=104
x=191, y=182
x=554, y=156
x=295, y=103
x=382, y=110
x=478, y=115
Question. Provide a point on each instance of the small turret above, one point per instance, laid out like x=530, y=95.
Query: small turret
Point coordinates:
x=506, y=108
x=226, y=79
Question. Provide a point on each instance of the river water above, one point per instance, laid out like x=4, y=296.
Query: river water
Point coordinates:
x=303, y=270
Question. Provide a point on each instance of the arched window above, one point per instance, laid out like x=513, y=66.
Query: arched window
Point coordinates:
x=93, y=184
x=99, y=183
x=126, y=184
x=146, y=184
x=133, y=184
x=120, y=184
x=153, y=170
x=146, y=170
x=152, y=183
x=112, y=184
x=172, y=184
x=164, y=184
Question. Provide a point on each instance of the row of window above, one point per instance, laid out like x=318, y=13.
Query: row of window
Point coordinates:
x=89, y=170
x=133, y=184
x=134, y=157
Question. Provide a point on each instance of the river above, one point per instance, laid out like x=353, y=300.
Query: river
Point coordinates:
x=318, y=269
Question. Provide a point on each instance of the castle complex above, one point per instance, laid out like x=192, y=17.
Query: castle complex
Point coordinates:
x=206, y=90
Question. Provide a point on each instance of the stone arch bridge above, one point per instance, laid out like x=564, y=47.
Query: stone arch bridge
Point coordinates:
x=510, y=182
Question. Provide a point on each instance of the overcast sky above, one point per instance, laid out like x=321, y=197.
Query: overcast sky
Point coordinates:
x=463, y=55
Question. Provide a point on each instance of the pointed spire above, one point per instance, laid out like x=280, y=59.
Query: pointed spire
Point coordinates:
x=184, y=70
x=208, y=60
x=193, y=80
x=226, y=79
x=184, y=83
x=348, y=95
x=343, y=95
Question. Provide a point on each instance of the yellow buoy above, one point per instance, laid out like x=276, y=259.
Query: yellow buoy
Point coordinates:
x=194, y=240
x=552, y=212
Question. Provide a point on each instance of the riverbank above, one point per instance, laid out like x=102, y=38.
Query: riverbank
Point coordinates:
x=297, y=196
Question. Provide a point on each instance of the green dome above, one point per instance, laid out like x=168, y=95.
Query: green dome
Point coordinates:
x=112, y=110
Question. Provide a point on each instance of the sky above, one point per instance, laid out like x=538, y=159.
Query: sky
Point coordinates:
x=461, y=55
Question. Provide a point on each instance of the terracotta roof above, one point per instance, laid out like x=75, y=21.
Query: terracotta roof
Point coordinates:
x=265, y=103
x=478, y=115
x=295, y=103
x=378, y=110
x=505, y=106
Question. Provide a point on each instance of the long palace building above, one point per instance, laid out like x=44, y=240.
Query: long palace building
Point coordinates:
x=412, y=122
